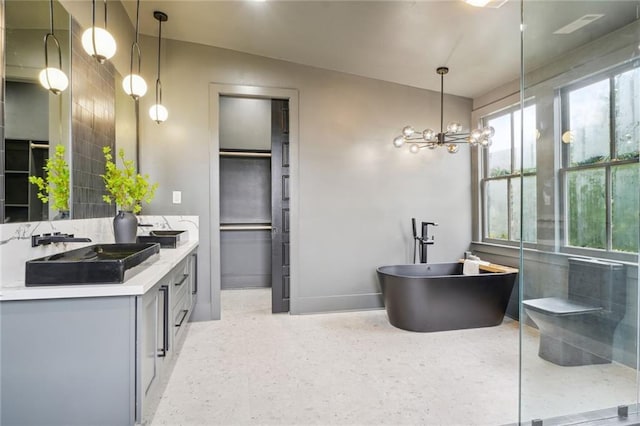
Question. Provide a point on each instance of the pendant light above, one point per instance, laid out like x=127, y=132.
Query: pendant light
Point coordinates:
x=158, y=112
x=97, y=41
x=133, y=84
x=52, y=78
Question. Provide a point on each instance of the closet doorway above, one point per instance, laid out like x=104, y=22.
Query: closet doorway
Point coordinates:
x=254, y=196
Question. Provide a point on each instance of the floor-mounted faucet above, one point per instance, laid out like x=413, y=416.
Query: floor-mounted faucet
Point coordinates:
x=422, y=241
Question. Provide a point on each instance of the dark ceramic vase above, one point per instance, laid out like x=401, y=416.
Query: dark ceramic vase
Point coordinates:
x=62, y=214
x=125, y=227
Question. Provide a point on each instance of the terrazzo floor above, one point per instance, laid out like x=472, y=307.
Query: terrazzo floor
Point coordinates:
x=255, y=368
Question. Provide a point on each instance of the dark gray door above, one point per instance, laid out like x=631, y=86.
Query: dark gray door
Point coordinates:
x=280, y=206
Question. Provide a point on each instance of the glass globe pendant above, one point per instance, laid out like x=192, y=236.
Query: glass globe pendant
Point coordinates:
x=96, y=41
x=158, y=113
x=51, y=78
x=133, y=84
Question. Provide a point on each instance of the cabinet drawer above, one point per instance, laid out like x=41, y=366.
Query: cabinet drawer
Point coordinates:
x=180, y=286
x=181, y=316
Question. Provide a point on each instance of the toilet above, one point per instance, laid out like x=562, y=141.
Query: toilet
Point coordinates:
x=579, y=329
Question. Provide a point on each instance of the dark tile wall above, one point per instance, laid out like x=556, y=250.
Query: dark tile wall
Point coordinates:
x=93, y=126
x=1, y=111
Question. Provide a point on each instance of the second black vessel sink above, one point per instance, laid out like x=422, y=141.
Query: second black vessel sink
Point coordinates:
x=96, y=264
x=166, y=238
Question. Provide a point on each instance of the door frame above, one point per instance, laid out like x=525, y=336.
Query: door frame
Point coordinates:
x=215, y=91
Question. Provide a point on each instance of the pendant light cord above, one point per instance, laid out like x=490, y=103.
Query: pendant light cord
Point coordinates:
x=51, y=16
x=441, y=103
x=52, y=36
x=158, y=83
x=105, y=14
x=137, y=19
x=135, y=47
x=93, y=27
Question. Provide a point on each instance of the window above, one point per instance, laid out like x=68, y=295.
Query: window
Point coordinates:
x=600, y=171
x=501, y=176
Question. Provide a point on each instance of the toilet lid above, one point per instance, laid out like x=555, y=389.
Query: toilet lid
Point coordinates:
x=558, y=306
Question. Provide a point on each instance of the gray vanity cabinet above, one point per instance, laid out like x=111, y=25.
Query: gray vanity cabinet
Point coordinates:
x=92, y=360
x=68, y=361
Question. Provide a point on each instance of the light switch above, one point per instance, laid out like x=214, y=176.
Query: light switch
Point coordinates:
x=177, y=197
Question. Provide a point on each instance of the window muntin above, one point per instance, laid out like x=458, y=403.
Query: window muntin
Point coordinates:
x=600, y=161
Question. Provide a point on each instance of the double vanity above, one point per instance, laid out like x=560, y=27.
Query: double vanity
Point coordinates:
x=95, y=353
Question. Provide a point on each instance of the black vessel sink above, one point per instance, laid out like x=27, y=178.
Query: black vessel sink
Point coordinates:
x=166, y=238
x=96, y=264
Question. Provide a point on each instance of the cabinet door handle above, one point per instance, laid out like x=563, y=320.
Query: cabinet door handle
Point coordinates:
x=184, y=315
x=184, y=277
x=195, y=276
x=165, y=321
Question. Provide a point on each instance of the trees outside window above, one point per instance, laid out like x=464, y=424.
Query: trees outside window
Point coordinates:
x=600, y=171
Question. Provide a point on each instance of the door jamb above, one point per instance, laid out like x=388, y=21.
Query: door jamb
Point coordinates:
x=215, y=91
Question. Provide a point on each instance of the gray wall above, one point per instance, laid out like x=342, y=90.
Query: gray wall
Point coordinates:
x=357, y=192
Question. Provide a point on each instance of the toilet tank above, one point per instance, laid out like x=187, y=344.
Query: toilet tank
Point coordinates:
x=598, y=283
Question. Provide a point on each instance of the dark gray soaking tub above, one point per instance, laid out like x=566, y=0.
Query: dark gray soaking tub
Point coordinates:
x=437, y=297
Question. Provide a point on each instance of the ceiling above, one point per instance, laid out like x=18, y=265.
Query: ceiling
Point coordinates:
x=397, y=41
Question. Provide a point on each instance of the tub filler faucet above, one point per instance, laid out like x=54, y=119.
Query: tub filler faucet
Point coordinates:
x=423, y=241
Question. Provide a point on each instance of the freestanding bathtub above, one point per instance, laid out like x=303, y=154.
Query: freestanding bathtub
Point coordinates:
x=437, y=297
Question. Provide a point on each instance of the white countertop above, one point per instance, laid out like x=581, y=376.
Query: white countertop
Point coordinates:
x=149, y=273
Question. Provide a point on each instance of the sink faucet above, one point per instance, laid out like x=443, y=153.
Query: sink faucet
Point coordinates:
x=56, y=237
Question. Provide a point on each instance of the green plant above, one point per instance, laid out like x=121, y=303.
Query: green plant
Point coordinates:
x=55, y=185
x=125, y=187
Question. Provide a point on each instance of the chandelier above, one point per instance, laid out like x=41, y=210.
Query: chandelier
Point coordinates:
x=450, y=138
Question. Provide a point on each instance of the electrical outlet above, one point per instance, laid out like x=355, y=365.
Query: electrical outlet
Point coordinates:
x=177, y=197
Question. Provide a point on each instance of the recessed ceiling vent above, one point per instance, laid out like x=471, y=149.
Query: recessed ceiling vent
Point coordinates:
x=578, y=23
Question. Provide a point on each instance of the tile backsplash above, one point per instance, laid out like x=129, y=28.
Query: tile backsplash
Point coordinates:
x=93, y=127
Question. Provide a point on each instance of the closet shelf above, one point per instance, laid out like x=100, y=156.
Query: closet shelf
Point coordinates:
x=245, y=226
x=38, y=145
x=248, y=154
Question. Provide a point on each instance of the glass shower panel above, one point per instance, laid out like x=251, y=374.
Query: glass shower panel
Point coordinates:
x=581, y=177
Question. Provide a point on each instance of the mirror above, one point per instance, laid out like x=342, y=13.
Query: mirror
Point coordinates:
x=36, y=121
